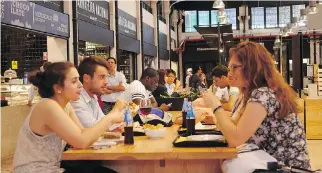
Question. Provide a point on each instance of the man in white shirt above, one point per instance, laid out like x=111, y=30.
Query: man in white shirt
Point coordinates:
x=189, y=74
x=141, y=89
x=227, y=95
x=116, y=84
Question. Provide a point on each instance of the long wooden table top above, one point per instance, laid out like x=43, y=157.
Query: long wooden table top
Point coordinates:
x=152, y=149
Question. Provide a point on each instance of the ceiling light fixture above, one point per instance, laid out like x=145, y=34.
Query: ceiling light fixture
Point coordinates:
x=285, y=32
x=289, y=27
x=218, y=4
x=312, y=8
x=303, y=17
x=294, y=22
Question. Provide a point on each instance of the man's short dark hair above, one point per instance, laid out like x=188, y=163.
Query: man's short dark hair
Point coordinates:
x=112, y=59
x=88, y=66
x=171, y=71
x=195, y=70
x=219, y=70
x=149, y=72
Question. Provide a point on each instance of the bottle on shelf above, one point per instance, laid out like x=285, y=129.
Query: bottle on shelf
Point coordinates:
x=128, y=129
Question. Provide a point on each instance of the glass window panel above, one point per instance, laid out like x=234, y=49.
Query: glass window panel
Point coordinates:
x=231, y=17
x=257, y=17
x=190, y=21
x=203, y=17
x=213, y=14
x=284, y=15
x=296, y=10
x=271, y=17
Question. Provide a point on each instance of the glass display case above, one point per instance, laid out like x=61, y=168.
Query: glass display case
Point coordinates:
x=16, y=94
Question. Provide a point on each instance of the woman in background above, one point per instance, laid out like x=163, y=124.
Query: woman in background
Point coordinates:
x=203, y=80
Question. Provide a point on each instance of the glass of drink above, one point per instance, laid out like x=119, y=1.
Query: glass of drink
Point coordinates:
x=145, y=107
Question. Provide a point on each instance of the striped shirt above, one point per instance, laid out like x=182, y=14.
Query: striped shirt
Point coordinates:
x=136, y=90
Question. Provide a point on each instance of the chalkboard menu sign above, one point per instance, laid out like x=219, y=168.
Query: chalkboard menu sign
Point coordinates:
x=94, y=12
x=35, y=17
x=54, y=5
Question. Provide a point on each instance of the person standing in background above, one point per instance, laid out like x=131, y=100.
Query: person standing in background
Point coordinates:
x=33, y=90
x=203, y=80
x=116, y=84
x=189, y=74
x=195, y=80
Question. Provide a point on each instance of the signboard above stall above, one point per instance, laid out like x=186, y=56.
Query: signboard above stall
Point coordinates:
x=54, y=5
x=34, y=17
x=94, y=12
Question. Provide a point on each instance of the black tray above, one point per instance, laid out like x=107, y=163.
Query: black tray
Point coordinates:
x=215, y=143
x=183, y=132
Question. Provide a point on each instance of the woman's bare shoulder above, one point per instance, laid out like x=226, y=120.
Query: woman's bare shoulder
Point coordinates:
x=46, y=105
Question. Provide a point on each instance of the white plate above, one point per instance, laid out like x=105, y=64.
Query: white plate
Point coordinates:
x=204, y=137
x=110, y=140
x=200, y=126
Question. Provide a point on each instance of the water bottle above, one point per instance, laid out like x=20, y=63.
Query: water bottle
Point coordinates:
x=191, y=121
x=25, y=78
x=128, y=129
x=184, y=113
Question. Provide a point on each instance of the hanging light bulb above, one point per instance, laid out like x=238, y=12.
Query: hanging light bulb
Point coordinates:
x=218, y=4
x=312, y=8
x=294, y=22
x=277, y=40
x=223, y=20
x=289, y=27
x=221, y=13
x=285, y=32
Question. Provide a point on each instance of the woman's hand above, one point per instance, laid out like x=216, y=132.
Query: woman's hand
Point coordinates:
x=210, y=100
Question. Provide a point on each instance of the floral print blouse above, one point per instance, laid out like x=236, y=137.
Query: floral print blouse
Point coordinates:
x=284, y=139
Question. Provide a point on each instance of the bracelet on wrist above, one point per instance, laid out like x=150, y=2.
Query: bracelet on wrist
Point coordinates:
x=217, y=108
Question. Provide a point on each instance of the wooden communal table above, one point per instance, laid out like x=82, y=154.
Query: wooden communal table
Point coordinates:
x=156, y=155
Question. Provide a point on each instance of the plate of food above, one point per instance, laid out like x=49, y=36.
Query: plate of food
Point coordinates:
x=111, y=137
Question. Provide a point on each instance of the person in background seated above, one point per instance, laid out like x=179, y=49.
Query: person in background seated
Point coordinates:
x=266, y=114
x=203, y=80
x=188, y=75
x=52, y=121
x=195, y=81
x=171, y=75
x=161, y=89
x=141, y=89
x=33, y=91
x=116, y=84
x=226, y=94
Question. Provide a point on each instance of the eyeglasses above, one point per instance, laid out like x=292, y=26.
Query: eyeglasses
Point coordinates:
x=233, y=67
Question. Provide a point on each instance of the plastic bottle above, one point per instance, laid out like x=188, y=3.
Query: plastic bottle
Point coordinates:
x=128, y=129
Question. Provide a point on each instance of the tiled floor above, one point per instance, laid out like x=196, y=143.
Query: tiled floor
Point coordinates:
x=315, y=150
